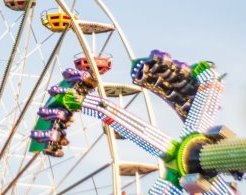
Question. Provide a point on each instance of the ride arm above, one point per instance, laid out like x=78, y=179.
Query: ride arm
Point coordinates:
x=130, y=127
x=205, y=105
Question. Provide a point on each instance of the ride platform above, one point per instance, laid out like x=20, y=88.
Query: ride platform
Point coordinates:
x=89, y=28
x=131, y=168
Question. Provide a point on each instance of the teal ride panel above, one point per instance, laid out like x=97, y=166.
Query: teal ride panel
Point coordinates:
x=44, y=125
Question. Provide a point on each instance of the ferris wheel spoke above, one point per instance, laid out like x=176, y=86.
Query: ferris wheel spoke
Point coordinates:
x=10, y=33
x=19, y=174
x=78, y=162
x=35, y=172
x=36, y=48
x=85, y=178
x=7, y=26
x=11, y=112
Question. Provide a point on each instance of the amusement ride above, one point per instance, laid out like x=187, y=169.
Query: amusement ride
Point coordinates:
x=53, y=116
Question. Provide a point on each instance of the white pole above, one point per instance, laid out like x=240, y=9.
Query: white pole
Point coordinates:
x=138, y=188
x=121, y=99
x=93, y=44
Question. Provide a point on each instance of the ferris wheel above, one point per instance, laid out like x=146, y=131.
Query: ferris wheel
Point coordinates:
x=55, y=160
x=39, y=41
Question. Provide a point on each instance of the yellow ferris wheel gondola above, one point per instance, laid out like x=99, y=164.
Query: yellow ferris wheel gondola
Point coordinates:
x=18, y=5
x=56, y=20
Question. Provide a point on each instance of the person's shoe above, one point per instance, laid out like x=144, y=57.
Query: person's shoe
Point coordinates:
x=64, y=141
x=58, y=153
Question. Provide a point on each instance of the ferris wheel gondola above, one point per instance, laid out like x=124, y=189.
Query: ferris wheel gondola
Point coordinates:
x=18, y=5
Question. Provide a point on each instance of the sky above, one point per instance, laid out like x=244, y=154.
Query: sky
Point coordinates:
x=191, y=31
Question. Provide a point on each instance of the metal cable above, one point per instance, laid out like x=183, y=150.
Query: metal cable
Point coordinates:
x=81, y=158
x=85, y=178
x=94, y=183
x=105, y=44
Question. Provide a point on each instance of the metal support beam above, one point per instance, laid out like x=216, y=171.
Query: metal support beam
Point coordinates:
x=79, y=160
x=138, y=189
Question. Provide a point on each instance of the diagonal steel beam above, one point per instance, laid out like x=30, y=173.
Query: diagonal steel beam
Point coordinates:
x=19, y=174
x=84, y=179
